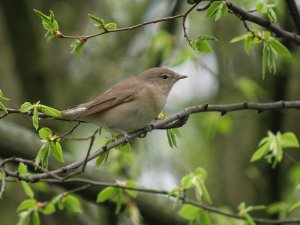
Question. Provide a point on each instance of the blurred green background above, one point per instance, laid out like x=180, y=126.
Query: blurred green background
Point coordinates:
x=32, y=69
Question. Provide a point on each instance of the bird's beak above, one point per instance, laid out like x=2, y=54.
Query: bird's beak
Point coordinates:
x=179, y=77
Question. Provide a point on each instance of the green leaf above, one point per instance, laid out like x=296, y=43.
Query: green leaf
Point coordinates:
x=205, y=220
x=35, y=118
x=133, y=184
x=26, y=106
x=57, y=151
x=102, y=158
x=97, y=20
x=111, y=26
x=42, y=157
x=3, y=107
x=125, y=148
x=77, y=46
x=48, y=209
x=289, y=140
x=189, y=212
x=249, y=219
x=186, y=181
x=261, y=152
x=261, y=7
x=24, y=218
x=279, y=48
x=49, y=24
x=239, y=38
x=26, y=204
x=72, y=204
x=45, y=133
x=106, y=193
x=49, y=111
x=27, y=189
x=36, y=218
x=22, y=169
x=171, y=138
x=294, y=206
x=206, y=37
x=201, y=43
x=205, y=192
x=212, y=10
x=272, y=15
x=119, y=201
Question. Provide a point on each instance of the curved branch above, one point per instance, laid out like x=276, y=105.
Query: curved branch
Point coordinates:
x=245, y=15
x=176, y=118
x=88, y=183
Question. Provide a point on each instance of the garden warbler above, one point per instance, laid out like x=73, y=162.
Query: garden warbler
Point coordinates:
x=131, y=104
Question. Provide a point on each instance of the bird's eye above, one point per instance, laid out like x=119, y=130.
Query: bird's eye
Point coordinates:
x=165, y=76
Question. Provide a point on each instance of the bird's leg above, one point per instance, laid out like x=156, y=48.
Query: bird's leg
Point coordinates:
x=125, y=134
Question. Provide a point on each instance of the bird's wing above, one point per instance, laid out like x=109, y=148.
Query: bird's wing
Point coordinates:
x=123, y=92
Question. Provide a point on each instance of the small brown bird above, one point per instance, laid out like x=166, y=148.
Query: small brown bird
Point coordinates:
x=131, y=104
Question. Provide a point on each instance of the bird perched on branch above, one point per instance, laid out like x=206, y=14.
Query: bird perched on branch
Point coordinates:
x=131, y=104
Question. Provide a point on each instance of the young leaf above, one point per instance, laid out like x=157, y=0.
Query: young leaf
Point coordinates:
x=26, y=106
x=48, y=209
x=77, y=46
x=289, y=140
x=280, y=48
x=111, y=26
x=49, y=111
x=106, y=193
x=27, y=189
x=26, y=204
x=212, y=10
x=72, y=204
x=45, y=133
x=119, y=201
x=102, y=158
x=186, y=181
x=272, y=15
x=35, y=118
x=36, y=218
x=22, y=169
x=57, y=151
x=125, y=148
x=239, y=38
x=42, y=157
x=261, y=7
x=3, y=107
x=133, y=184
x=189, y=212
x=24, y=218
x=100, y=22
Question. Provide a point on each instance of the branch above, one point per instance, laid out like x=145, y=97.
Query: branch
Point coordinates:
x=292, y=6
x=88, y=183
x=173, y=120
x=245, y=15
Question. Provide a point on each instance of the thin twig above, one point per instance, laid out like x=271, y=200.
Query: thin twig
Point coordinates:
x=86, y=37
x=89, y=150
x=70, y=131
x=184, y=21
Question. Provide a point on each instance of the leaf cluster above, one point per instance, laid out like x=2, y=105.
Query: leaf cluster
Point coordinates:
x=118, y=195
x=51, y=144
x=30, y=209
x=271, y=147
x=37, y=108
